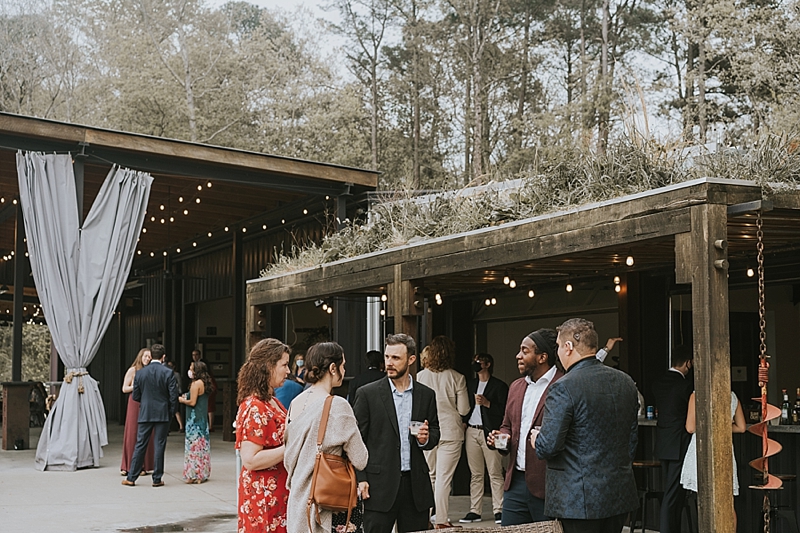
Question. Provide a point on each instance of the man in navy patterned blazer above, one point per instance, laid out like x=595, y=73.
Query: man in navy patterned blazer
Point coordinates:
x=588, y=437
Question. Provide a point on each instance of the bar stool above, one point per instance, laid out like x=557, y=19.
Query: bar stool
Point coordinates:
x=647, y=492
x=783, y=517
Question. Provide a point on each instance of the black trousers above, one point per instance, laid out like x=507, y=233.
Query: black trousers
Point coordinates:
x=674, y=497
x=159, y=431
x=404, y=512
x=612, y=524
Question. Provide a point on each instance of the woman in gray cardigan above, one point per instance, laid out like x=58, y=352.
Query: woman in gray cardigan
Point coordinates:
x=325, y=370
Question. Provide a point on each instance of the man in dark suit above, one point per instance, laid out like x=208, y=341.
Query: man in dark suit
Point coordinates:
x=524, y=497
x=396, y=484
x=487, y=404
x=672, y=393
x=374, y=372
x=588, y=437
x=156, y=389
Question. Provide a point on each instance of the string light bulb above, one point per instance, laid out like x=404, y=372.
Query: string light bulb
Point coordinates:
x=185, y=211
x=383, y=312
x=208, y=184
x=488, y=302
x=180, y=199
x=531, y=294
x=199, y=187
x=330, y=310
x=325, y=307
x=161, y=207
x=617, y=288
x=209, y=234
x=569, y=287
x=494, y=301
x=264, y=227
x=197, y=200
x=506, y=280
x=750, y=273
x=512, y=284
x=616, y=280
x=244, y=230
x=384, y=297
x=629, y=260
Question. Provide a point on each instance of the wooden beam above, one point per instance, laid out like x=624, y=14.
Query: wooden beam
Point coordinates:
x=108, y=141
x=536, y=239
x=710, y=319
x=683, y=258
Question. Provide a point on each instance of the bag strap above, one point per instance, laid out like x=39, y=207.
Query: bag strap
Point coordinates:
x=323, y=422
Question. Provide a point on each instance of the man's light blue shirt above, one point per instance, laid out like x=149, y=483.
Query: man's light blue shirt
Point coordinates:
x=403, y=401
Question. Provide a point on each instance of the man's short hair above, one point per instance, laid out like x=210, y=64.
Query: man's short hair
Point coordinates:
x=374, y=358
x=402, y=338
x=581, y=332
x=157, y=351
x=681, y=354
x=487, y=357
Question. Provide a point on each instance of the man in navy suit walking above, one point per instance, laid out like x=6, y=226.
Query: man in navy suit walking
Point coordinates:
x=588, y=437
x=156, y=388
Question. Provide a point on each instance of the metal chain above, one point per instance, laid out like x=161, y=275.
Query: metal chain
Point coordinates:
x=762, y=323
x=762, y=335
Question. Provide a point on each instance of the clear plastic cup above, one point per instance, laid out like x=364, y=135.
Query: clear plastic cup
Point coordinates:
x=501, y=441
x=413, y=428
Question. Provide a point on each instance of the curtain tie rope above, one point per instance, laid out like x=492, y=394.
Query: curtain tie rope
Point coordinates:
x=76, y=373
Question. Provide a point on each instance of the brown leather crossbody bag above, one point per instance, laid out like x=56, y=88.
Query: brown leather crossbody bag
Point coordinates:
x=333, y=483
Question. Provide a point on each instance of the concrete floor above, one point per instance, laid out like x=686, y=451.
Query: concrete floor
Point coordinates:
x=94, y=500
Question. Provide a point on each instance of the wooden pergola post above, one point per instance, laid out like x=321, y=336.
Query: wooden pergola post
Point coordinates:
x=701, y=259
x=401, y=306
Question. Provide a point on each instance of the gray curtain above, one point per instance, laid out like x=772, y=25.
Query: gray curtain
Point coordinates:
x=80, y=274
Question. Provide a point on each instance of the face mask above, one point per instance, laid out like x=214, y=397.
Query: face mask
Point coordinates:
x=300, y=363
x=476, y=366
x=191, y=374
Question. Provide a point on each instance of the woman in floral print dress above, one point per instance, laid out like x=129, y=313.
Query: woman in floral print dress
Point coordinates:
x=260, y=425
x=197, y=454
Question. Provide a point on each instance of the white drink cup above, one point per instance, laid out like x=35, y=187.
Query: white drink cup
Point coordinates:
x=501, y=441
x=413, y=428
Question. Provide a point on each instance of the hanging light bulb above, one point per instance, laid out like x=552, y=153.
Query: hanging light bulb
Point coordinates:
x=617, y=288
x=197, y=200
x=178, y=250
x=185, y=211
x=506, y=280
x=750, y=273
x=194, y=244
x=330, y=310
x=199, y=187
x=487, y=301
x=226, y=228
x=325, y=307
x=144, y=230
x=494, y=301
x=208, y=184
x=616, y=280
x=209, y=234
x=531, y=294
x=384, y=297
x=569, y=287
x=180, y=198
x=264, y=226
x=512, y=284
x=383, y=312
x=165, y=253
x=305, y=211
x=244, y=230
x=629, y=260
x=172, y=219
x=161, y=207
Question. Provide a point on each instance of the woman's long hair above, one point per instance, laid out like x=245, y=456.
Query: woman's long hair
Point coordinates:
x=441, y=354
x=200, y=372
x=137, y=362
x=256, y=374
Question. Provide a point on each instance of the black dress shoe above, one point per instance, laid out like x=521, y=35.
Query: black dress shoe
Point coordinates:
x=158, y=483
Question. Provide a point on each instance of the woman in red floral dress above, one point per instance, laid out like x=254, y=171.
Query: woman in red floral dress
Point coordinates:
x=260, y=424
